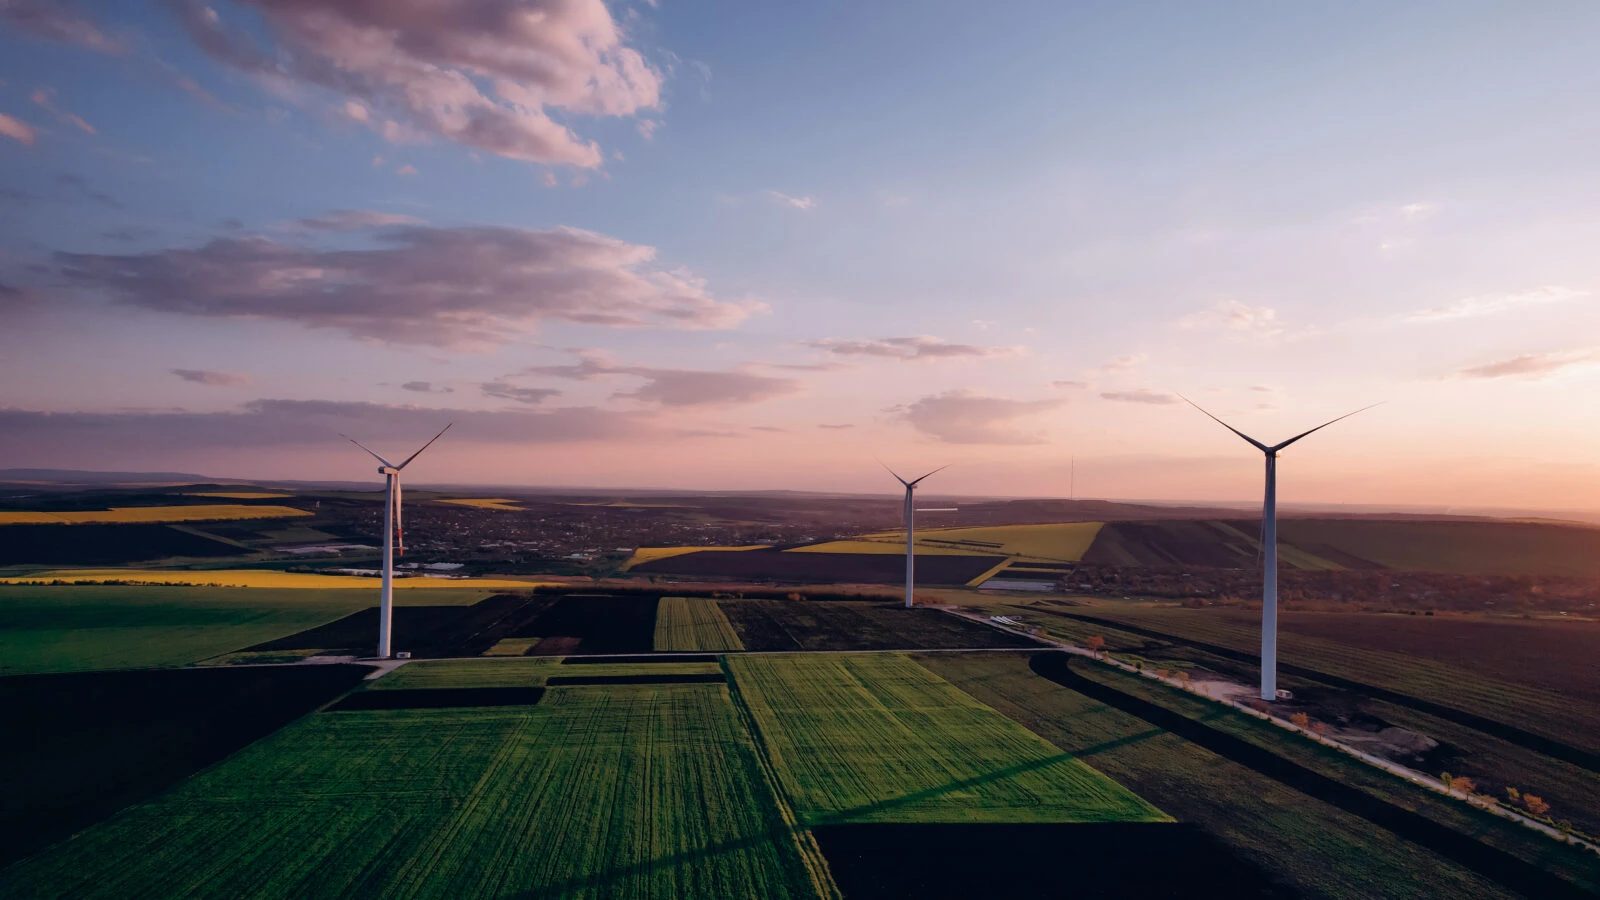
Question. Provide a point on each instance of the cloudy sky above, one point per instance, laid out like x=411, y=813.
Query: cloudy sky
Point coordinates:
x=754, y=245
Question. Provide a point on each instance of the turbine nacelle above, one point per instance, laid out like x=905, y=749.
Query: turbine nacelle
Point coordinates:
x=388, y=470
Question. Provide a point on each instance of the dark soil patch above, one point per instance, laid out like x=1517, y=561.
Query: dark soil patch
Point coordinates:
x=800, y=568
x=634, y=660
x=439, y=698
x=426, y=632
x=81, y=746
x=1510, y=733
x=1490, y=862
x=103, y=545
x=803, y=625
x=959, y=862
x=579, y=680
x=600, y=623
x=554, y=646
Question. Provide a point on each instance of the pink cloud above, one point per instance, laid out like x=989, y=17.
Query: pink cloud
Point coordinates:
x=57, y=21
x=968, y=417
x=486, y=74
x=212, y=379
x=465, y=287
x=17, y=130
x=45, y=97
x=676, y=387
x=909, y=348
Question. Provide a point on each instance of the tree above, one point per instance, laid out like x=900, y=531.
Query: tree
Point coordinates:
x=1095, y=644
x=1162, y=673
x=1535, y=805
x=1512, y=794
x=1446, y=779
x=1464, y=785
x=1319, y=728
x=1300, y=720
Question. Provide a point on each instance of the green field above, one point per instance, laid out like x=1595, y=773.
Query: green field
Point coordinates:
x=882, y=739
x=519, y=672
x=693, y=623
x=1317, y=849
x=634, y=792
x=76, y=629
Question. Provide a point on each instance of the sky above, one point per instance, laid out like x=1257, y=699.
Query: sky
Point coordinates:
x=746, y=246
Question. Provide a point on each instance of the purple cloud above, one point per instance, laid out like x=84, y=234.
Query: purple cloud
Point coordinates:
x=676, y=387
x=1532, y=366
x=505, y=390
x=212, y=379
x=462, y=287
x=909, y=348
x=356, y=220
x=967, y=417
x=419, y=68
x=55, y=20
x=1141, y=396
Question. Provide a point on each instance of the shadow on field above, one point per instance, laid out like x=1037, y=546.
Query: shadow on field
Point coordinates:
x=1490, y=862
x=81, y=746
x=1081, y=860
x=439, y=698
x=426, y=632
x=1509, y=733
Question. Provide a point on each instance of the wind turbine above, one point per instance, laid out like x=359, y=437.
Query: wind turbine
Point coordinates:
x=391, y=530
x=1269, y=548
x=911, y=527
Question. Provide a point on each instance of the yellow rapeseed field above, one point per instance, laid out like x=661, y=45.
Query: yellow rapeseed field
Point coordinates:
x=1055, y=542
x=482, y=502
x=650, y=554
x=260, y=578
x=891, y=544
x=209, y=512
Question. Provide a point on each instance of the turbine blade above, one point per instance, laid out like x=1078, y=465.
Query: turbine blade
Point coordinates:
x=934, y=472
x=1253, y=442
x=892, y=472
x=1320, y=427
x=424, y=447
x=364, y=447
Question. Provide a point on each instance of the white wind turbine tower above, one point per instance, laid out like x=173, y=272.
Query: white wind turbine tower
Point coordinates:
x=1269, y=549
x=391, y=529
x=911, y=527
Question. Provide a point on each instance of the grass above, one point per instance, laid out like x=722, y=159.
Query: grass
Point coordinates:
x=77, y=629
x=1467, y=548
x=882, y=739
x=482, y=502
x=528, y=671
x=651, y=554
x=637, y=792
x=1317, y=849
x=257, y=578
x=855, y=625
x=198, y=513
x=693, y=623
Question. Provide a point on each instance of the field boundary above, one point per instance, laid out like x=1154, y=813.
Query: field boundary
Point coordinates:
x=1488, y=861
x=811, y=854
x=1510, y=733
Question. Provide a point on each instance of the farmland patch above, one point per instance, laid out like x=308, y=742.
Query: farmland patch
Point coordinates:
x=594, y=623
x=530, y=671
x=439, y=698
x=639, y=678
x=423, y=631
x=693, y=623
x=770, y=564
x=855, y=625
x=657, y=792
x=80, y=746
x=199, y=512
x=881, y=739
x=104, y=545
x=1104, y=859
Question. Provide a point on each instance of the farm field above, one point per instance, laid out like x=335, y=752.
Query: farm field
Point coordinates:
x=881, y=739
x=768, y=564
x=81, y=746
x=71, y=628
x=1315, y=849
x=240, y=495
x=657, y=789
x=1541, y=709
x=262, y=578
x=482, y=502
x=887, y=544
x=1452, y=547
x=1058, y=542
x=523, y=672
x=693, y=623
x=200, y=512
x=105, y=545
x=1501, y=850
x=651, y=554
x=855, y=625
